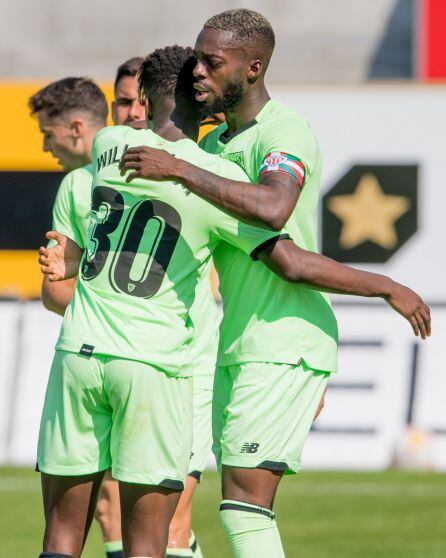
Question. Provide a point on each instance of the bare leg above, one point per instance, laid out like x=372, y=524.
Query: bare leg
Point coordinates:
x=146, y=513
x=108, y=510
x=253, y=486
x=69, y=504
x=179, y=529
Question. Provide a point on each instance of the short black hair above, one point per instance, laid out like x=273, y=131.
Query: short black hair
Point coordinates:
x=168, y=71
x=128, y=68
x=72, y=93
x=246, y=27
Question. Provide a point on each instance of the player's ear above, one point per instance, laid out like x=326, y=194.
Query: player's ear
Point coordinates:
x=76, y=128
x=254, y=70
x=148, y=108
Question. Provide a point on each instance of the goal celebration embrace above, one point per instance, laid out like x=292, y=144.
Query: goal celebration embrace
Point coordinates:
x=202, y=169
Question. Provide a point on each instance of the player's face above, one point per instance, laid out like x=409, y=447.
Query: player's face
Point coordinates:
x=61, y=140
x=126, y=108
x=220, y=72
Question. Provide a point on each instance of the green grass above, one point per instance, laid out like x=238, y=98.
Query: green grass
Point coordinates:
x=320, y=515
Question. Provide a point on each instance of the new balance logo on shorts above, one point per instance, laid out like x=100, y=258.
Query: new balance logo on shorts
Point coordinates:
x=249, y=448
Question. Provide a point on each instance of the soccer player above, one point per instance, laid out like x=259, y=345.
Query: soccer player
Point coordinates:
x=72, y=208
x=126, y=108
x=277, y=341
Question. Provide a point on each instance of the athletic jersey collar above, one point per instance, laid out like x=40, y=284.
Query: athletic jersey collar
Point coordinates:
x=226, y=139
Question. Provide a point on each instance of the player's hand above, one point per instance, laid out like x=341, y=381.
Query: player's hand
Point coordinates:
x=321, y=405
x=61, y=261
x=149, y=163
x=412, y=307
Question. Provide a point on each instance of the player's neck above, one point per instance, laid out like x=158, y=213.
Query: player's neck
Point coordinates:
x=85, y=157
x=175, y=124
x=252, y=102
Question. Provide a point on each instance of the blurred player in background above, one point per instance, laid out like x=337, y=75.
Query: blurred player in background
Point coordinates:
x=278, y=342
x=126, y=108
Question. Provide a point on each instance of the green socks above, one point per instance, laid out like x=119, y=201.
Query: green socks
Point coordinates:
x=179, y=553
x=113, y=549
x=251, y=530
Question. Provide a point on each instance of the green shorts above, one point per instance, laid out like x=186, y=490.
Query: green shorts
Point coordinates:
x=262, y=414
x=103, y=412
x=202, y=428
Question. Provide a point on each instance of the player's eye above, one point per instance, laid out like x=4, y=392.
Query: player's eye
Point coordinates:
x=214, y=63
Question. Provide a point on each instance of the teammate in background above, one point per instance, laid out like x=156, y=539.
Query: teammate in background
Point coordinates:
x=70, y=112
x=278, y=342
x=126, y=108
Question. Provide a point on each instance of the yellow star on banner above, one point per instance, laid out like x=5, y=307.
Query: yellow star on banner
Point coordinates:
x=368, y=214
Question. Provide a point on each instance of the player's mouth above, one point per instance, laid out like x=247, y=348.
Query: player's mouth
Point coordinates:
x=202, y=93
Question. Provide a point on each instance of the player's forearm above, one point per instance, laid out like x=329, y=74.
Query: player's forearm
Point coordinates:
x=250, y=203
x=324, y=274
x=56, y=296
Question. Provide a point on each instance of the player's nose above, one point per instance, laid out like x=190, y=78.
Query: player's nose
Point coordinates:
x=199, y=71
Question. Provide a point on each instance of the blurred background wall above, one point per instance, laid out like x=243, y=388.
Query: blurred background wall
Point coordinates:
x=369, y=77
x=317, y=40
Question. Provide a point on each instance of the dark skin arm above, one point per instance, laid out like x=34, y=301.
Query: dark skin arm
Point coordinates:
x=295, y=265
x=268, y=204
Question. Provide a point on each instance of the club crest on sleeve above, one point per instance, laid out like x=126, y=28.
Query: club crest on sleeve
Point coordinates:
x=274, y=159
x=277, y=161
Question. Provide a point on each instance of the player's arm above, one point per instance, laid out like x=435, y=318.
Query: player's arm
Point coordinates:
x=56, y=296
x=324, y=274
x=267, y=204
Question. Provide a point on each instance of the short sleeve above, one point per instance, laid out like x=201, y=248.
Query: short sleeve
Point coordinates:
x=64, y=212
x=247, y=238
x=287, y=145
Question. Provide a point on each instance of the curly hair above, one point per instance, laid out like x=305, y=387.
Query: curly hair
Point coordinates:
x=72, y=93
x=128, y=68
x=168, y=71
x=248, y=28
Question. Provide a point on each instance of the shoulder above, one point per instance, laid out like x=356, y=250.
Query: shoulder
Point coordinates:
x=118, y=134
x=282, y=119
x=211, y=137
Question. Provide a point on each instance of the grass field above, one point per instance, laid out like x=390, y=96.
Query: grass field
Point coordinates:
x=320, y=515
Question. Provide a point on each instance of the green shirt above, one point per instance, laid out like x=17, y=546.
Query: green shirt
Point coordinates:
x=71, y=211
x=266, y=319
x=148, y=246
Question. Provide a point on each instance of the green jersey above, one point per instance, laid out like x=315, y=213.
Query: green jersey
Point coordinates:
x=148, y=245
x=266, y=319
x=71, y=211
x=71, y=217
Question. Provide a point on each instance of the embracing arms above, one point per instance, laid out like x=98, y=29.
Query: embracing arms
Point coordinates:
x=292, y=264
x=318, y=272
x=268, y=204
